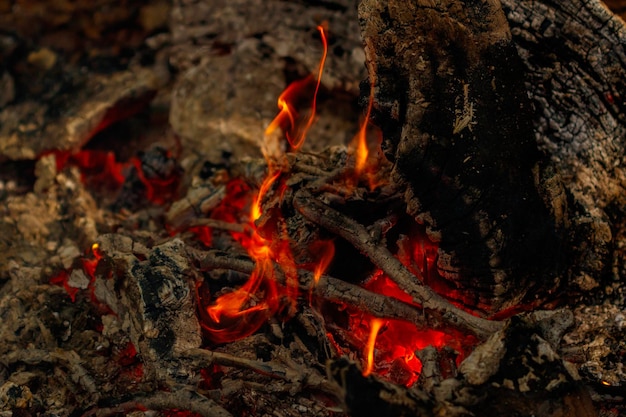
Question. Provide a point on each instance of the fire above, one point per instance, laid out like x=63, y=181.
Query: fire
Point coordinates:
x=255, y=211
x=295, y=132
x=89, y=263
x=375, y=326
x=325, y=251
x=362, y=149
x=243, y=311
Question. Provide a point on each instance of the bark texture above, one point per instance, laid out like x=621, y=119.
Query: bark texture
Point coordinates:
x=575, y=59
x=449, y=95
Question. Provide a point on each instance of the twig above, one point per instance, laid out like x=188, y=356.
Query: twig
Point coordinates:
x=329, y=288
x=205, y=358
x=306, y=377
x=439, y=311
x=219, y=224
x=182, y=400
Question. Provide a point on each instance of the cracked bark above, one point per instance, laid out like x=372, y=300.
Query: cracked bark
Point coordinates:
x=449, y=95
x=575, y=61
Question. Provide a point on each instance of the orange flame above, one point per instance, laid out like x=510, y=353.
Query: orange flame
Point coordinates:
x=325, y=251
x=375, y=326
x=287, y=115
x=362, y=150
x=255, y=210
x=241, y=312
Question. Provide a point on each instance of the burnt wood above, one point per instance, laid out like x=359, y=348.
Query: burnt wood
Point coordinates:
x=449, y=94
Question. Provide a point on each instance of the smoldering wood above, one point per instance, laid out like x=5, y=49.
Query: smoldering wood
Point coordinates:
x=449, y=95
x=574, y=67
x=439, y=312
x=327, y=288
x=34, y=245
x=63, y=120
x=457, y=396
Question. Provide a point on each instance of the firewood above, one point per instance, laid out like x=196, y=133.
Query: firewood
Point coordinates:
x=439, y=312
x=449, y=96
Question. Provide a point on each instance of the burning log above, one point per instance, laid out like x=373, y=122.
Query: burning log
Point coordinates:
x=323, y=280
x=449, y=94
x=574, y=72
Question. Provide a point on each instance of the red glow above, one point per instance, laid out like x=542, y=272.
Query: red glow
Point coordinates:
x=62, y=279
x=100, y=168
x=131, y=367
x=203, y=233
x=89, y=265
x=381, y=284
x=89, y=268
x=395, y=345
x=397, y=342
x=418, y=254
x=211, y=377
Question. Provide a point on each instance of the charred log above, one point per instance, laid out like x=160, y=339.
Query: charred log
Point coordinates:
x=575, y=72
x=449, y=92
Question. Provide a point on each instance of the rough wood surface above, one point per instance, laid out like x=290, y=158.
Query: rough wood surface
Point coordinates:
x=76, y=357
x=449, y=95
x=574, y=55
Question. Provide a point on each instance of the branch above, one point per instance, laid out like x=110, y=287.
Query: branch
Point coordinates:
x=329, y=288
x=439, y=311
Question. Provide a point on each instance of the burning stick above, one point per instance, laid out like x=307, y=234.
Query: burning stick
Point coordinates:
x=330, y=288
x=437, y=309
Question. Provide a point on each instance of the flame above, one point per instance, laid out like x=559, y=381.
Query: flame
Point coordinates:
x=325, y=252
x=241, y=312
x=255, y=211
x=362, y=150
x=375, y=326
x=296, y=133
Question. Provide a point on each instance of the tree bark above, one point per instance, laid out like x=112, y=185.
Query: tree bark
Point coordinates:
x=449, y=95
x=575, y=71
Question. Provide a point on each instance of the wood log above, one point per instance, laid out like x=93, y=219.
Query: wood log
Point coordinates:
x=449, y=95
x=575, y=71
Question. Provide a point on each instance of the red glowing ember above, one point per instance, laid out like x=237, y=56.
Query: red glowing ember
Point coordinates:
x=102, y=169
x=74, y=286
x=388, y=346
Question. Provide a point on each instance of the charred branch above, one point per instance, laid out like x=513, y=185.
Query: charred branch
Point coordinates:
x=438, y=311
x=327, y=288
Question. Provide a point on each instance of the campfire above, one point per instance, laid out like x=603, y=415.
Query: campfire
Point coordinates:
x=236, y=221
